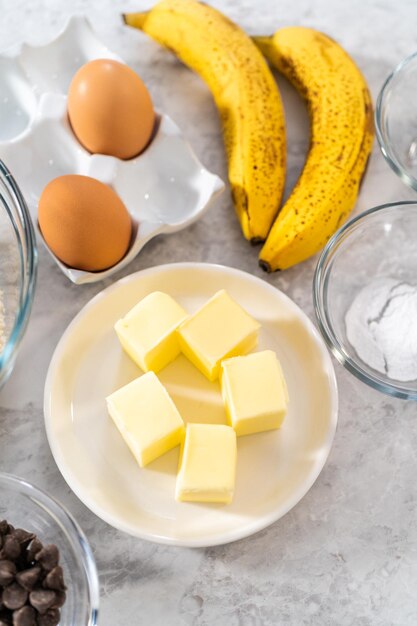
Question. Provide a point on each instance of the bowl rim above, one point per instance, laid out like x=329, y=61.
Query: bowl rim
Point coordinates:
x=324, y=324
x=28, y=272
x=61, y=512
x=383, y=141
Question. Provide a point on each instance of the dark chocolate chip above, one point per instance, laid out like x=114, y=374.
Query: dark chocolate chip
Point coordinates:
x=23, y=536
x=55, y=579
x=60, y=597
x=26, y=616
x=32, y=587
x=11, y=548
x=42, y=599
x=35, y=547
x=7, y=572
x=48, y=557
x=50, y=618
x=5, y=527
x=29, y=577
x=14, y=596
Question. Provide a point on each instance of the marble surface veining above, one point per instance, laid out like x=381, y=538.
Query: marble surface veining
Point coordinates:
x=347, y=554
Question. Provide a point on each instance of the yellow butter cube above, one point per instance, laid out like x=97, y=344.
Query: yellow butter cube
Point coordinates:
x=207, y=465
x=220, y=329
x=146, y=417
x=254, y=392
x=148, y=332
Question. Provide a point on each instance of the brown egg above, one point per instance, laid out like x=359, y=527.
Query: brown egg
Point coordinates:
x=84, y=222
x=110, y=109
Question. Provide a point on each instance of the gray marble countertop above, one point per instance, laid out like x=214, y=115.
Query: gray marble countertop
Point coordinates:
x=347, y=553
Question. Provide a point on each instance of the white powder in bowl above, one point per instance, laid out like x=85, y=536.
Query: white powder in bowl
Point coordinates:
x=381, y=325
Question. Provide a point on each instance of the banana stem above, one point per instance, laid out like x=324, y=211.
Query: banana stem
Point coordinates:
x=263, y=43
x=137, y=20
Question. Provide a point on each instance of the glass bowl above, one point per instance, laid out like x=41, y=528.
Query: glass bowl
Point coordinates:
x=365, y=293
x=25, y=506
x=18, y=257
x=396, y=120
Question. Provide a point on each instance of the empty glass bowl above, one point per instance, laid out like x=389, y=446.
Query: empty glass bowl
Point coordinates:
x=17, y=269
x=396, y=120
x=25, y=506
x=365, y=293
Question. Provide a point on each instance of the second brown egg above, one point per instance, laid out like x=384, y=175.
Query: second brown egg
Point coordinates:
x=110, y=109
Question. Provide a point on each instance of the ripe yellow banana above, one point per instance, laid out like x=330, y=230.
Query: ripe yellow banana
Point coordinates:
x=341, y=121
x=246, y=96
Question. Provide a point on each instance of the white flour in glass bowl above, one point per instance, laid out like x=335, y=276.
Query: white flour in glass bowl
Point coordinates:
x=381, y=325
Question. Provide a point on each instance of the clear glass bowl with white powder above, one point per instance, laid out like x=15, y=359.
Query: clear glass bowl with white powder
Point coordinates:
x=365, y=297
x=17, y=270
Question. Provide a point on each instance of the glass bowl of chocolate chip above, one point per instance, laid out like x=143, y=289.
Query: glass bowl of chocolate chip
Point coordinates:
x=48, y=576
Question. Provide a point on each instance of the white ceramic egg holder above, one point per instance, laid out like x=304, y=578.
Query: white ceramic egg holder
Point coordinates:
x=165, y=188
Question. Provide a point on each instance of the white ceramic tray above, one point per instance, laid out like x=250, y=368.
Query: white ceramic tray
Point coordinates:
x=165, y=188
x=274, y=470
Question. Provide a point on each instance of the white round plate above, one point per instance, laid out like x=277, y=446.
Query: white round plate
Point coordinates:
x=274, y=470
